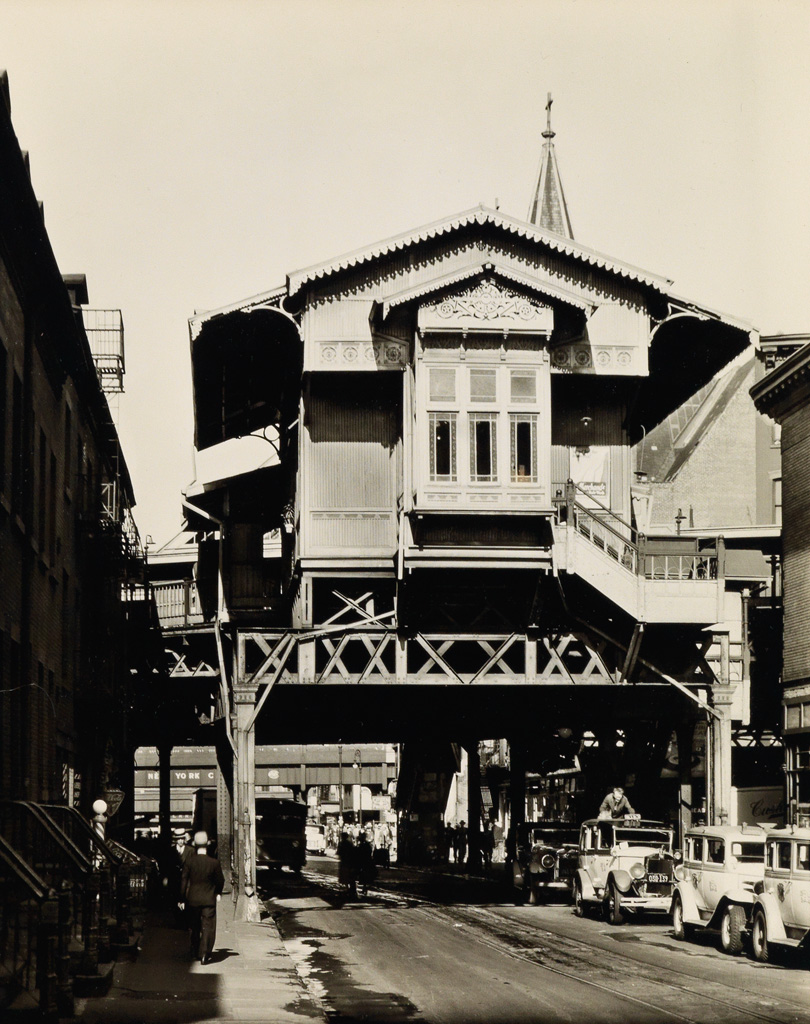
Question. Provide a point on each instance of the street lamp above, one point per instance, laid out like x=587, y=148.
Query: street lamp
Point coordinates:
x=358, y=764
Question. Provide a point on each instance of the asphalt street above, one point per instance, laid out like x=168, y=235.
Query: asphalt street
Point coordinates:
x=437, y=948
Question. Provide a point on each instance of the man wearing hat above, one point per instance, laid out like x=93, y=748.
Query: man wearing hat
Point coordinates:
x=201, y=887
x=173, y=870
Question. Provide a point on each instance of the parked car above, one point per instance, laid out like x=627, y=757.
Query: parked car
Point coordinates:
x=625, y=864
x=715, y=888
x=545, y=859
x=781, y=914
x=315, y=838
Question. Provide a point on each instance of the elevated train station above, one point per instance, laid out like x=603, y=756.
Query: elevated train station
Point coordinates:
x=442, y=426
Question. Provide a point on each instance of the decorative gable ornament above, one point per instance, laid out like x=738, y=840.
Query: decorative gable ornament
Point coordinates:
x=486, y=307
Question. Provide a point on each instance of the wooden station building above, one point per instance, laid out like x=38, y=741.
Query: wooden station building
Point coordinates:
x=449, y=416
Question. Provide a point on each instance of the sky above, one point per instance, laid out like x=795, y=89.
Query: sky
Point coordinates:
x=191, y=153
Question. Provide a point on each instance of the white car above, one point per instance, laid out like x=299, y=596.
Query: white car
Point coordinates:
x=315, y=838
x=721, y=865
x=781, y=915
x=625, y=864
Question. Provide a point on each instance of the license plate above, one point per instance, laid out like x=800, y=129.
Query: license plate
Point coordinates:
x=655, y=876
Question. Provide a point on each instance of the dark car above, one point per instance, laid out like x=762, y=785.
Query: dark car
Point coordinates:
x=545, y=860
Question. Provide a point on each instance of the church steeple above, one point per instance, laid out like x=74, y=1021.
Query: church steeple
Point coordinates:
x=548, y=208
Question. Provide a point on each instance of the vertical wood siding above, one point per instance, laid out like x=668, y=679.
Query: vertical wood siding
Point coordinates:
x=351, y=450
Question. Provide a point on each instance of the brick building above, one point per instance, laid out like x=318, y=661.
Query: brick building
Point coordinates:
x=716, y=460
x=714, y=464
x=70, y=558
x=784, y=395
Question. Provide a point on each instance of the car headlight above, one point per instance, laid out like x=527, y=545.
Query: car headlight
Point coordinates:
x=637, y=871
x=547, y=860
x=295, y=843
x=677, y=855
x=680, y=872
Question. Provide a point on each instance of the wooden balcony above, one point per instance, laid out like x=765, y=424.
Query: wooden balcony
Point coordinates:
x=178, y=604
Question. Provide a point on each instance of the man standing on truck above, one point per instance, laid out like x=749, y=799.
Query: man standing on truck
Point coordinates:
x=615, y=804
x=202, y=887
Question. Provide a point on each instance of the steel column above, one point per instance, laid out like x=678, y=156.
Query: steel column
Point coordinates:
x=473, y=806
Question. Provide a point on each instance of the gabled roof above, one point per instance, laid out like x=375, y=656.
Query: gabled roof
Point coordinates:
x=545, y=288
x=479, y=215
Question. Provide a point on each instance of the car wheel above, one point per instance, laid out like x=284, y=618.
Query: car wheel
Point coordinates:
x=731, y=929
x=678, y=925
x=614, y=905
x=579, y=902
x=759, y=938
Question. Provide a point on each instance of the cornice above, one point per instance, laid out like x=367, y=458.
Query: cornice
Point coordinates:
x=784, y=386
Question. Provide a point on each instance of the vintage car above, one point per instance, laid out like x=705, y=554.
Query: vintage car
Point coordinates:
x=315, y=838
x=545, y=860
x=715, y=889
x=781, y=914
x=625, y=864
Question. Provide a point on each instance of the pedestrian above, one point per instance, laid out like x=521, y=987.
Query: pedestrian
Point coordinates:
x=366, y=871
x=202, y=887
x=181, y=851
x=347, y=864
x=487, y=846
x=615, y=804
x=461, y=842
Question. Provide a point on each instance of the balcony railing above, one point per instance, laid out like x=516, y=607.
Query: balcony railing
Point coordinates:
x=658, y=558
x=177, y=603
x=105, y=333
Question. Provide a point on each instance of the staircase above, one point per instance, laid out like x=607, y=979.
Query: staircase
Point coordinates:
x=662, y=579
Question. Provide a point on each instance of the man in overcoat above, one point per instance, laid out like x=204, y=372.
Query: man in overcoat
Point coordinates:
x=201, y=889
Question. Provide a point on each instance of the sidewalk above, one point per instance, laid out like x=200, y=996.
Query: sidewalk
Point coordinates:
x=251, y=978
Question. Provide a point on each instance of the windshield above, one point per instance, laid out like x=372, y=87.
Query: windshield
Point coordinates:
x=554, y=837
x=643, y=836
x=749, y=853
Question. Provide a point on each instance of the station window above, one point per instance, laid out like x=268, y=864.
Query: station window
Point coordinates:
x=483, y=385
x=470, y=441
x=443, y=447
x=442, y=384
x=523, y=386
x=523, y=447
x=483, y=447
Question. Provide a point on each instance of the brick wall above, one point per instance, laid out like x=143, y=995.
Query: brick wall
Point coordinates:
x=718, y=480
x=796, y=544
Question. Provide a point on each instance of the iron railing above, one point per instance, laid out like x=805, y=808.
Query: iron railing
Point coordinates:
x=655, y=558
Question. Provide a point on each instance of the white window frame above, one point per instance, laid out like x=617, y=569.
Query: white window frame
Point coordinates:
x=474, y=417
x=451, y=418
x=500, y=408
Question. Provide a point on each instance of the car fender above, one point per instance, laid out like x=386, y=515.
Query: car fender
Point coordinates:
x=622, y=879
x=689, y=903
x=768, y=903
x=588, y=891
x=738, y=897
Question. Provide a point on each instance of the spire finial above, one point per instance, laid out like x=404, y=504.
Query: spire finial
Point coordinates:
x=548, y=133
x=548, y=208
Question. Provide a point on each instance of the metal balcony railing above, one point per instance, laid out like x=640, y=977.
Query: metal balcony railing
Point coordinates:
x=658, y=558
x=105, y=333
